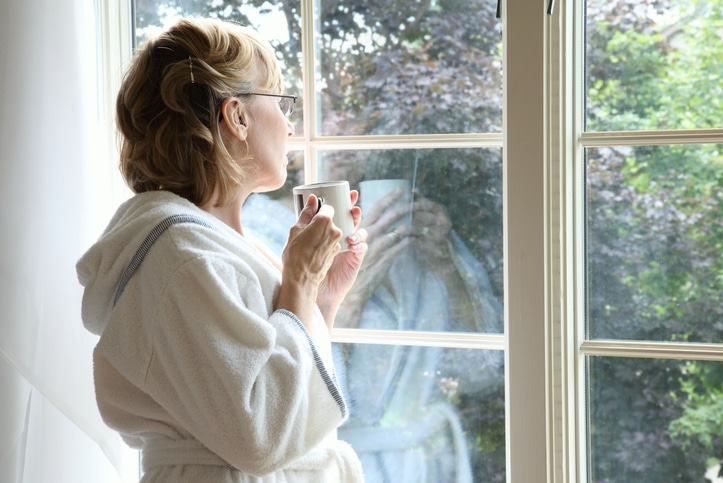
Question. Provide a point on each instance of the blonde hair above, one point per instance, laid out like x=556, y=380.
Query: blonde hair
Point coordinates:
x=168, y=106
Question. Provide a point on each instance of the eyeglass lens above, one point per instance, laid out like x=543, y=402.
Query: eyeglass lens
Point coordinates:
x=287, y=105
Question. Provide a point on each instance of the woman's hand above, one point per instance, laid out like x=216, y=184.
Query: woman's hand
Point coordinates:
x=344, y=268
x=307, y=257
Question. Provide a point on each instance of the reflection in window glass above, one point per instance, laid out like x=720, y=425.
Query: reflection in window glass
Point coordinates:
x=435, y=245
x=409, y=67
x=424, y=414
x=277, y=21
x=653, y=64
x=654, y=420
x=654, y=228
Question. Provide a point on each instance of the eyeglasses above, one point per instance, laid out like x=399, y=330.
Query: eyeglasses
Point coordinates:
x=286, y=103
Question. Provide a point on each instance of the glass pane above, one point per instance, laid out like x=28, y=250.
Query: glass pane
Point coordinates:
x=424, y=414
x=409, y=67
x=653, y=64
x=435, y=246
x=277, y=21
x=654, y=239
x=655, y=420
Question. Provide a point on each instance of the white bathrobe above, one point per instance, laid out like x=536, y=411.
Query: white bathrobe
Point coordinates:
x=196, y=368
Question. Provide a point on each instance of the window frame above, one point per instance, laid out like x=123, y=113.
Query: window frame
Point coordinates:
x=556, y=91
x=571, y=348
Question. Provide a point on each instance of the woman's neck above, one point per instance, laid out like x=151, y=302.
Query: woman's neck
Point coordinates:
x=229, y=213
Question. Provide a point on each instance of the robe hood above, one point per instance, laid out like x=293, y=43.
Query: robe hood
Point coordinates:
x=101, y=267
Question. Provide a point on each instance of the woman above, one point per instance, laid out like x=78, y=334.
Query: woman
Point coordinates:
x=214, y=356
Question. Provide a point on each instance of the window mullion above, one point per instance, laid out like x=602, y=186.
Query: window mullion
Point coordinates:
x=525, y=208
x=566, y=397
x=310, y=16
x=560, y=384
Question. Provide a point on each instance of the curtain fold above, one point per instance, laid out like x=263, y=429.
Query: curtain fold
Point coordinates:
x=50, y=127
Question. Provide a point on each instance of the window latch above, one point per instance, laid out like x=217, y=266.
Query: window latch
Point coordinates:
x=550, y=8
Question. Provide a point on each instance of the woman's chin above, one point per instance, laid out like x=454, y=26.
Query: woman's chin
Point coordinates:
x=271, y=186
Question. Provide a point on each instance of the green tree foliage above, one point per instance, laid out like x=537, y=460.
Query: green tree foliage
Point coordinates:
x=654, y=236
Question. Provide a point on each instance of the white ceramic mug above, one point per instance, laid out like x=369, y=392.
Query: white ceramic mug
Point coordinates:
x=371, y=191
x=334, y=193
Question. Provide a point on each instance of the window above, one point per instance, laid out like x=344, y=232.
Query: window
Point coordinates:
x=608, y=191
x=654, y=199
x=407, y=91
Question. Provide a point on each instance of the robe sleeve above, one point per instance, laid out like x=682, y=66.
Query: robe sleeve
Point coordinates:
x=251, y=386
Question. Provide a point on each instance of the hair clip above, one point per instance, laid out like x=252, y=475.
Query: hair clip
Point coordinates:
x=190, y=66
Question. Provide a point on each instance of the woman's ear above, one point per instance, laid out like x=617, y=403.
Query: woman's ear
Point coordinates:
x=232, y=118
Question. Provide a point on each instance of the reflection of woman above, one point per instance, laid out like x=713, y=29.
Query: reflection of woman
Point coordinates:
x=214, y=356
x=418, y=277
x=426, y=247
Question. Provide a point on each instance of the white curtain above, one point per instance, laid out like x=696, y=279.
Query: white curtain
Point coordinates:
x=54, y=170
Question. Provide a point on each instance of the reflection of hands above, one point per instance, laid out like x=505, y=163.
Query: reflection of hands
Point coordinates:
x=431, y=227
x=429, y=233
x=384, y=245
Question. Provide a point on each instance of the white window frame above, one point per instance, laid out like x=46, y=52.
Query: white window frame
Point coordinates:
x=567, y=347
x=527, y=181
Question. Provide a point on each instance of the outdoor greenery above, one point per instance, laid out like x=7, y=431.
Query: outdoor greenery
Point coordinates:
x=655, y=236
x=654, y=233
